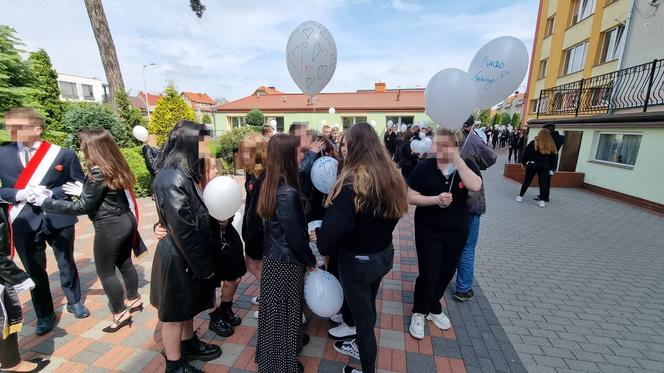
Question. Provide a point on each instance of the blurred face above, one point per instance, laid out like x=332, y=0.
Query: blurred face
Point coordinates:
x=343, y=149
x=211, y=168
x=204, y=150
x=445, y=148
x=415, y=129
x=305, y=140
x=23, y=130
x=247, y=152
x=327, y=131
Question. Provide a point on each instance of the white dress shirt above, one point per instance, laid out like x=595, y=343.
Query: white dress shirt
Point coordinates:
x=32, y=148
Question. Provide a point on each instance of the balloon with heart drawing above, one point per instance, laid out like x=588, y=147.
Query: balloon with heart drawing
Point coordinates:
x=311, y=57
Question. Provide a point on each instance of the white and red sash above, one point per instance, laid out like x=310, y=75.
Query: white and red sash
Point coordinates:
x=33, y=174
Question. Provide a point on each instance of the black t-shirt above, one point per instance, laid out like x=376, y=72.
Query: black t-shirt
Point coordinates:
x=428, y=180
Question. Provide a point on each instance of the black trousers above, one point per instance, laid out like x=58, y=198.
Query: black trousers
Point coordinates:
x=437, y=259
x=514, y=151
x=112, y=249
x=31, y=248
x=333, y=268
x=9, y=355
x=543, y=178
x=360, y=280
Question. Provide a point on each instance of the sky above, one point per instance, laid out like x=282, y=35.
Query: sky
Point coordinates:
x=240, y=45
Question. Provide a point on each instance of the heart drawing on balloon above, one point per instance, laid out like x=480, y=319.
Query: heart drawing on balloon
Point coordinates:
x=308, y=31
x=310, y=81
x=297, y=58
x=316, y=52
x=321, y=71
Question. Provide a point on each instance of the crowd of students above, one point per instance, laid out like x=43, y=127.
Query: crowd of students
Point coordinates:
x=197, y=254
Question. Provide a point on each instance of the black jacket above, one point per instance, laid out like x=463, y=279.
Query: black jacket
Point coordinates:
x=539, y=160
x=390, y=141
x=66, y=167
x=97, y=200
x=10, y=274
x=406, y=156
x=252, y=224
x=286, y=238
x=150, y=155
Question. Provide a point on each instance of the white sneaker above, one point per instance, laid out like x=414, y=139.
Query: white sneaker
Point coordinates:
x=337, y=319
x=350, y=369
x=541, y=203
x=304, y=318
x=348, y=348
x=440, y=320
x=519, y=199
x=343, y=331
x=417, y=326
x=255, y=300
x=256, y=315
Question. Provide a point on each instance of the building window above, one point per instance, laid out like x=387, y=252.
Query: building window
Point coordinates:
x=349, y=121
x=574, y=58
x=612, y=42
x=542, y=69
x=87, y=92
x=550, y=24
x=236, y=122
x=398, y=121
x=533, y=105
x=68, y=90
x=581, y=9
x=618, y=148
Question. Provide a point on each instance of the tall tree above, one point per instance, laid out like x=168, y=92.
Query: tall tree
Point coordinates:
x=516, y=120
x=106, y=48
x=46, y=94
x=16, y=79
x=170, y=109
x=129, y=116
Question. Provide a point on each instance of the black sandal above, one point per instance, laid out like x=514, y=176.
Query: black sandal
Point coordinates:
x=118, y=325
x=133, y=308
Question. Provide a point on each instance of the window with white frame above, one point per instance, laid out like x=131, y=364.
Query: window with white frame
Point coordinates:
x=581, y=9
x=349, y=121
x=236, y=122
x=542, y=68
x=87, y=92
x=620, y=148
x=575, y=58
x=612, y=42
x=68, y=89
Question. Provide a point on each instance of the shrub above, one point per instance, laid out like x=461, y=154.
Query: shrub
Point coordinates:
x=170, y=109
x=81, y=116
x=255, y=118
x=229, y=141
x=56, y=137
x=136, y=163
x=206, y=119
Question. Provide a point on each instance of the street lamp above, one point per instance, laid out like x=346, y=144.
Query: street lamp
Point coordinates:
x=145, y=87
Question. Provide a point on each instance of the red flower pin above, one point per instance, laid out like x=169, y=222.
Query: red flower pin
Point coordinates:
x=251, y=187
x=59, y=167
x=461, y=186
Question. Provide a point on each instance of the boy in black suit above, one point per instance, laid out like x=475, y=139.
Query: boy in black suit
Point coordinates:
x=30, y=166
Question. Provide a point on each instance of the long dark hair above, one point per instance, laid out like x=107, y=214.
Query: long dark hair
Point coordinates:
x=101, y=150
x=377, y=183
x=181, y=148
x=281, y=168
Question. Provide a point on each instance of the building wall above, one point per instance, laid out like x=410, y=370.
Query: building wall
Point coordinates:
x=646, y=27
x=97, y=88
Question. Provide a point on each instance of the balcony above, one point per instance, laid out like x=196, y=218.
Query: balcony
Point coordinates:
x=639, y=86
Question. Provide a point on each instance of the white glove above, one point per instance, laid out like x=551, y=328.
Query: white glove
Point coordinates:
x=22, y=195
x=26, y=285
x=39, y=199
x=37, y=194
x=73, y=189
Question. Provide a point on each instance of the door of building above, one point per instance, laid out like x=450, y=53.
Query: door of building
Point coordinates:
x=570, y=151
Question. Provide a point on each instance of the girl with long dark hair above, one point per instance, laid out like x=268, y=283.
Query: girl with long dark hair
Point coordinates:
x=182, y=269
x=286, y=257
x=366, y=203
x=105, y=198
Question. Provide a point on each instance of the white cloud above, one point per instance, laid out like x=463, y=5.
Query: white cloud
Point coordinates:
x=406, y=6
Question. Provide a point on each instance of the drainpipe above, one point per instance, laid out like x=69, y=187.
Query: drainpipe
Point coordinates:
x=628, y=22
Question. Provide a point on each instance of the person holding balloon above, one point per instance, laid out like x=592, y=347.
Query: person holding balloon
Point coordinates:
x=182, y=272
x=407, y=158
x=439, y=188
x=367, y=201
x=286, y=257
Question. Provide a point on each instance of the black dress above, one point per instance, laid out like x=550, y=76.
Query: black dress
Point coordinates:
x=252, y=224
x=179, y=289
x=228, y=251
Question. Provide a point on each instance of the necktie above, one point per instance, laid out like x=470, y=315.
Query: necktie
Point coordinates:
x=26, y=153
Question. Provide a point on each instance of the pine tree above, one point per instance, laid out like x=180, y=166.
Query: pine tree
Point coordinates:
x=46, y=95
x=170, y=109
x=130, y=117
x=15, y=77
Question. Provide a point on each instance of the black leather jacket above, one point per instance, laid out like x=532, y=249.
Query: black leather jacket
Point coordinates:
x=286, y=237
x=97, y=200
x=150, y=156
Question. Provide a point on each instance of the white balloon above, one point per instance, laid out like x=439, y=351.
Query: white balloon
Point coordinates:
x=450, y=97
x=390, y=123
x=141, y=133
x=403, y=128
x=222, y=197
x=310, y=228
x=498, y=69
x=427, y=145
x=415, y=146
x=323, y=293
x=332, y=110
x=273, y=123
x=311, y=57
x=423, y=135
x=324, y=174
x=237, y=220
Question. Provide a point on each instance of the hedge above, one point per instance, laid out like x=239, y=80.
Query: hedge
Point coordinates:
x=136, y=163
x=56, y=137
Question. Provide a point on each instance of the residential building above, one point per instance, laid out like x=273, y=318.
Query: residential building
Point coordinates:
x=379, y=105
x=200, y=102
x=138, y=101
x=79, y=88
x=512, y=104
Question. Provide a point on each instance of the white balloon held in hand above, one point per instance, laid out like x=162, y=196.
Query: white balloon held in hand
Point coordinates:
x=222, y=197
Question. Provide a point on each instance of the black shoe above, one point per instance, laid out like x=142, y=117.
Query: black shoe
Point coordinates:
x=300, y=367
x=180, y=366
x=462, y=297
x=41, y=364
x=45, y=325
x=227, y=315
x=219, y=326
x=195, y=349
x=79, y=310
x=350, y=369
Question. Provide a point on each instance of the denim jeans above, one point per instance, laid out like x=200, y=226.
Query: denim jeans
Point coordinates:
x=466, y=266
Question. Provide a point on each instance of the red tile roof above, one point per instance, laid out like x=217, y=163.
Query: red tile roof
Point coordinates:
x=152, y=99
x=267, y=91
x=363, y=101
x=199, y=98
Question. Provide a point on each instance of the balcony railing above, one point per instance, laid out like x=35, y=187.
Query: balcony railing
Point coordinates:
x=639, y=86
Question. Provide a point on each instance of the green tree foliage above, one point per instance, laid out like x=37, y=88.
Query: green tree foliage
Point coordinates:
x=255, y=118
x=84, y=115
x=230, y=141
x=504, y=119
x=494, y=119
x=206, y=119
x=170, y=109
x=484, y=116
x=16, y=79
x=130, y=116
x=136, y=163
x=516, y=120
x=46, y=94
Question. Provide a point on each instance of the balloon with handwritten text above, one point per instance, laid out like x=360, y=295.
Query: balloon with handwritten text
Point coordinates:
x=324, y=174
x=498, y=69
x=311, y=57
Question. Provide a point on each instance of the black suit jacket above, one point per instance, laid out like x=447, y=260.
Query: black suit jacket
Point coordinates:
x=31, y=217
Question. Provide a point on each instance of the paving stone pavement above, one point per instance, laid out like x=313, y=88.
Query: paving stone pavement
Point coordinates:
x=578, y=285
